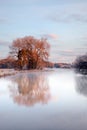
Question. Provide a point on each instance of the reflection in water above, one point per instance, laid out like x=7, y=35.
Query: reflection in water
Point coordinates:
x=81, y=85
x=31, y=89
x=68, y=112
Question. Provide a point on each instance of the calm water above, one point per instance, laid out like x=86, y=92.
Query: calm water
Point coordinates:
x=52, y=100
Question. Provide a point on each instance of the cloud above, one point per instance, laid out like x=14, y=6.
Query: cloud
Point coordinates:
x=3, y=20
x=63, y=53
x=69, y=13
x=50, y=36
x=68, y=18
x=67, y=53
x=85, y=45
x=84, y=38
x=4, y=48
x=82, y=48
x=59, y=58
x=4, y=43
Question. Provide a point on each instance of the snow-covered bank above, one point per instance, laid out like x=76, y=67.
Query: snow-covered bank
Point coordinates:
x=7, y=72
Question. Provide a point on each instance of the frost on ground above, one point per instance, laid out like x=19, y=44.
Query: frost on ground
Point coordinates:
x=6, y=72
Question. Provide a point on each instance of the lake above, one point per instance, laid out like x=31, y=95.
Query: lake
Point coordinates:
x=44, y=100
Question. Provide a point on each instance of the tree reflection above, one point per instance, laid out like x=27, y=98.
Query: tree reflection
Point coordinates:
x=30, y=89
x=81, y=85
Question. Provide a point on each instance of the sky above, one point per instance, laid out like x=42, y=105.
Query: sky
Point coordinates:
x=62, y=22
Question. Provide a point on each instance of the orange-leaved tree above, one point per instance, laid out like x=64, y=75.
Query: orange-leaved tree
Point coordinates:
x=31, y=53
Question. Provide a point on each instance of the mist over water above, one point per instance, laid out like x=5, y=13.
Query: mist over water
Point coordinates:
x=49, y=100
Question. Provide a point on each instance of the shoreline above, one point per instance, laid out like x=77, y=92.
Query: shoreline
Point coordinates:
x=7, y=72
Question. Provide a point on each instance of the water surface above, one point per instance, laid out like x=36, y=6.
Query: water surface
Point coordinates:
x=49, y=100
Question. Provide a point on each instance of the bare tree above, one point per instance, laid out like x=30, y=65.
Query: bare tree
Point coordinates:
x=81, y=64
x=30, y=52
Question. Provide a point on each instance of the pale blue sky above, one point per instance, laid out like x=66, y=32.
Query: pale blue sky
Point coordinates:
x=63, y=22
